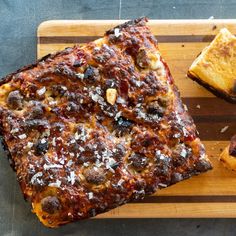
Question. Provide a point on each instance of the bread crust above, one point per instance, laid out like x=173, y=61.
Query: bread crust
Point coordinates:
x=216, y=92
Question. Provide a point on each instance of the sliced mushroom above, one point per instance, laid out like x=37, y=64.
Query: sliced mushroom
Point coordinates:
x=50, y=204
x=15, y=100
x=138, y=161
x=95, y=175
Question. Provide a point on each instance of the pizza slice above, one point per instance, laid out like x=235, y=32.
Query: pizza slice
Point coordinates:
x=96, y=126
x=228, y=156
x=214, y=68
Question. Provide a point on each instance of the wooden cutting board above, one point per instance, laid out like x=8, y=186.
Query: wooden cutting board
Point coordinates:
x=212, y=194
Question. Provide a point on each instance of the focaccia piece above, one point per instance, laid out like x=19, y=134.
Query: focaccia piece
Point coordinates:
x=215, y=67
x=96, y=126
x=228, y=156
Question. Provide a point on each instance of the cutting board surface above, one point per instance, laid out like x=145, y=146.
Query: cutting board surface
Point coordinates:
x=212, y=194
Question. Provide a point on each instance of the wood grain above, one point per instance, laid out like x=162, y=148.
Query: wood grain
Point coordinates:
x=173, y=210
x=212, y=194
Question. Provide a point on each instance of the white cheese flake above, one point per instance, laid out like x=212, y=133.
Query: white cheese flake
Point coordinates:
x=41, y=91
x=35, y=177
x=64, y=88
x=118, y=114
x=117, y=32
x=90, y=195
x=80, y=75
x=14, y=130
x=54, y=141
x=51, y=166
x=22, y=136
x=43, y=140
x=120, y=100
x=57, y=184
x=81, y=149
x=52, y=103
x=81, y=136
x=71, y=154
x=72, y=141
x=72, y=177
x=120, y=182
x=162, y=185
x=86, y=164
x=30, y=145
x=183, y=153
x=69, y=163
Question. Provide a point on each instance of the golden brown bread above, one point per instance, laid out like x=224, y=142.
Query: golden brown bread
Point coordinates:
x=215, y=67
x=93, y=127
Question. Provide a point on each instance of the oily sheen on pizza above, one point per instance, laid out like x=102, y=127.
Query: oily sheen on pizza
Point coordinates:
x=95, y=126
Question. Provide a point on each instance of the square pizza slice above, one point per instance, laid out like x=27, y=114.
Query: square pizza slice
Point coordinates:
x=95, y=126
x=214, y=68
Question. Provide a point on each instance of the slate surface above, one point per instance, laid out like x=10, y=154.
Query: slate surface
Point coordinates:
x=18, y=22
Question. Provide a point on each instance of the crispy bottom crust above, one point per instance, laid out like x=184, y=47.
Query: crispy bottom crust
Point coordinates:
x=218, y=93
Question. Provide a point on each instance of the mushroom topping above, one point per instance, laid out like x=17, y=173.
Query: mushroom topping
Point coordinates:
x=37, y=111
x=138, y=161
x=95, y=175
x=91, y=74
x=15, y=100
x=50, y=204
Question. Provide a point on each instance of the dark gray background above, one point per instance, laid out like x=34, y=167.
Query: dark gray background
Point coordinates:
x=18, y=23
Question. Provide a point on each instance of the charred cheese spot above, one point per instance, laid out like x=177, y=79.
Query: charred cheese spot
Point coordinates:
x=202, y=165
x=15, y=100
x=50, y=204
x=41, y=147
x=142, y=59
x=57, y=127
x=78, y=63
x=58, y=90
x=122, y=126
x=37, y=111
x=72, y=108
x=138, y=161
x=155, y=108
x=180, y=154
x=95, y=175
x=119, y=152
x=91, y=74
x=176, y=177
x=38, y=124
x=163, y=164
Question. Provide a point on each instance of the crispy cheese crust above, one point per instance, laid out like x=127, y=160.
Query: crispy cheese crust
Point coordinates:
x=228, y=156
x=93, y=127
x=215, y=67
